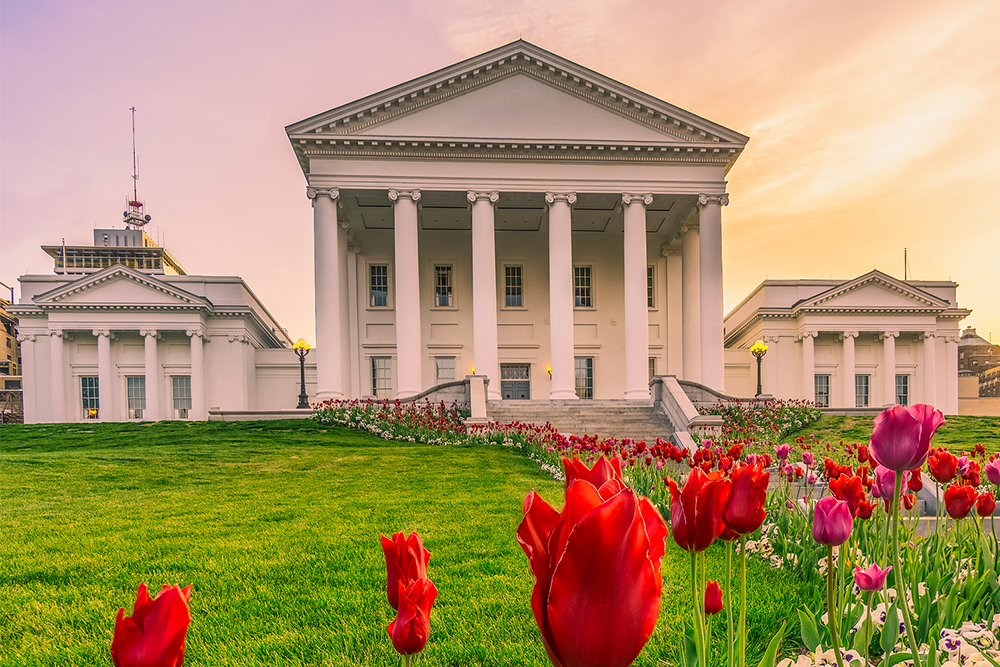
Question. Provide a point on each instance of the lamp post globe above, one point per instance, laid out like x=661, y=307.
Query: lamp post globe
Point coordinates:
x=759, y=349
x=301, y=348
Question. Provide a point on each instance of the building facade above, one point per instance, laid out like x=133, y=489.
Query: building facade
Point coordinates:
x=861, y=343
x=522, y=216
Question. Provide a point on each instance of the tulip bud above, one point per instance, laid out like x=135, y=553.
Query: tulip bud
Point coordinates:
x=871, y=579
x=986, y=504
x=713, y=599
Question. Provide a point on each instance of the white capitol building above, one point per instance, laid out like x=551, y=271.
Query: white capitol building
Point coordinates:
x=517, y=214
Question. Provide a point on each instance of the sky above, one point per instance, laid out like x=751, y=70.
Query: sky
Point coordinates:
x=873, y=125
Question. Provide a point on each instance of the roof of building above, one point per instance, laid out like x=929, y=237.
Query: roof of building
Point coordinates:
x=970, y=337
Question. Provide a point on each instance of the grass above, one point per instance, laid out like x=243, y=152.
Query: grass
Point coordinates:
x=276, y=525
x=959, y=433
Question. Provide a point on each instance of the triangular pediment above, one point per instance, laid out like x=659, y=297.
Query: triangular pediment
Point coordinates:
x=518, y=92
x=120, y=287
x=874, y=290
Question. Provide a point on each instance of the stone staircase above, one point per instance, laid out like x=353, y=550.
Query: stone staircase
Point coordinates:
x=638, y=420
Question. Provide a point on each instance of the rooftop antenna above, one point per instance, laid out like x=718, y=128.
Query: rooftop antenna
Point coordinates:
x=134, y=215
x=906, y=265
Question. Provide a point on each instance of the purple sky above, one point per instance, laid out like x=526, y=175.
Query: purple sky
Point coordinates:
x=872, y=125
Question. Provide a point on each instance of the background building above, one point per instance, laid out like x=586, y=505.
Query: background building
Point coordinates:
x=867, y=342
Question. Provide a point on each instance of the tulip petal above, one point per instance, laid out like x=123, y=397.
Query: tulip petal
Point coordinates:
x=575, y=469
x=605, y=596
x=533, y=535
x=656, y=531
x=896, y=440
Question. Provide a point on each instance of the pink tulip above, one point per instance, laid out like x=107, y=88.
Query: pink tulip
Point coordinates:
x=902, y=436
x=884, y=485
x=871, y=579
x=782, y=451
x=832, y=521
x=992, y=471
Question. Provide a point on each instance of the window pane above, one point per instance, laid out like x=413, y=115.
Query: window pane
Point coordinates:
x=91, y=396
x=861, y=384
x=584, y=367
x=135, y=389
x=512, y=281
x=582, y=287
x=445, y=368
x=381, y=377
x=652, y=367
x=649, y=286
x=823, y=390
x=442, y=286
x=379, y=285
x=903, y=389
x=180, y=386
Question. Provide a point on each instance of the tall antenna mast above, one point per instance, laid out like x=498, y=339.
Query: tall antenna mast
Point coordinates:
x=906, y=265
x=135, y=218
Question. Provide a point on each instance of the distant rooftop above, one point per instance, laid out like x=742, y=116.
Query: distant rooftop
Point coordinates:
x=970, y=337
x=130, y=247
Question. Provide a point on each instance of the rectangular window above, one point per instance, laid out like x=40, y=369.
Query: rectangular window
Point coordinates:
x=652, y=367
x=135, y=389
x=443, y=297
x=382, y=377
x=378, y=281
x=903, y=390
x=649, y=287
x=91, y=396
x=445, y=368
x=512, y=287
x=582, y=287
x=823, y=390
x=584, y=367
x=862, y=390
x=180, y=391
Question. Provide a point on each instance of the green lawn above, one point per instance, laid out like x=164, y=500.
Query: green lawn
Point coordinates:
x=276, y=525
x=959, y=433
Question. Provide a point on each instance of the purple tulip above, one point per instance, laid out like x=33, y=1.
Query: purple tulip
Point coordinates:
x=871, y=579
x=832, y=521
x=884, y=484
x=807, y=458
x=963, y=465
x=811, y=479
x=992, y=471
x=902, y=436
x=781, y=451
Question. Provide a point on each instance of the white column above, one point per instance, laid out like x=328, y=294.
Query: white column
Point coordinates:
x=848, y=393
x=152, y=371
x=484, y=290
x=352, y=310
x=636, y=308
x=889, y=367
x=808, y=366
x=326, y=249
x=950, y=383
x=561, y=295
x=407, y=301
x=930, y=368
x=713, y=369
x=198, y=410
x=344, y=317
x=675, y=315
x=57, y=369
x=29, y=368
x=691, y=320
x=238, y=395
x=105, y=405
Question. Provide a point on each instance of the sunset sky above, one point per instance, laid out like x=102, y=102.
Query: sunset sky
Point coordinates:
x=873, y=125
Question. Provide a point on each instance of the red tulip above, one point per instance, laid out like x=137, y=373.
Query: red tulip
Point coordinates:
x=943, y=465
x=909, y=500
x=986, y=504
x=603, y=472
x=959, y=500
x=405, y=561
x=412, y=626
x=915, y=483
x=902, y=436
x=865, y=509
x=871, y=579
x=848, y=489
x=713, y=599
x=597, y=572
x=863, y=454
x=832, y=521
x=153, y=636
x=744, y=512
x=696, y=511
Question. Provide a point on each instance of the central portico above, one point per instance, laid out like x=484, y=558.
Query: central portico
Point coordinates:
x=518, y=214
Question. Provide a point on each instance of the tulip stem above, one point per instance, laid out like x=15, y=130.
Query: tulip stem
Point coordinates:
x=729, y=604
x=406, y=661
x=831, y=613
x=900, y=580
x=699, y=613
x=742, y=628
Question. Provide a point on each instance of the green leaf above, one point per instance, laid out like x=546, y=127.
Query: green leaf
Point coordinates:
x=863, y=637
x=890, y=631
x=895, y=659
x=810, y=633
x=771, y=654
x=689, y=647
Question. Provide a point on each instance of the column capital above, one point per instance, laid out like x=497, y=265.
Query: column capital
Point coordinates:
x=473, y=196
x=843, y=335
x=332, y=193
x=149, y=333
x=806, y=334
x=635, y=199
x=552, y=197
x=719, y=200
x=56, y=333
x=354, y=247
x=667, y=251
x=22, y=337
x=886, y=334
x=239, y=338
x=405, y=194
x=198, y=332
x=928, y=334
x=951, y=339
x=102, y=332
x=770, y=338
x=689, y=227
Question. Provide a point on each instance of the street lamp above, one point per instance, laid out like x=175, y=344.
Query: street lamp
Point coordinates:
x=301, y=348
x=758, y=350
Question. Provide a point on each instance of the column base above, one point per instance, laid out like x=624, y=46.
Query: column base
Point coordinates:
x=562, y=395
x=637, y=395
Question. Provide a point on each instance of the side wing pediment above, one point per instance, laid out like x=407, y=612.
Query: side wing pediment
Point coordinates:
x=874, y=291
x=118, y=286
